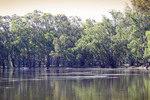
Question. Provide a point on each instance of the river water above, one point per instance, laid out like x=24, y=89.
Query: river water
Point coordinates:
x=74, y=84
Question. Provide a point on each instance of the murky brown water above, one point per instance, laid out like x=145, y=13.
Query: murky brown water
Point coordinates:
x=74, y=84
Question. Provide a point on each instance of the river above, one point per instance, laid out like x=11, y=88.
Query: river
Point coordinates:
x=74, y=84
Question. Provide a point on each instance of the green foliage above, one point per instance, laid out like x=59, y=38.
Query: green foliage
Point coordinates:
x=142, y=5
x=147, y=48
x=41, y=39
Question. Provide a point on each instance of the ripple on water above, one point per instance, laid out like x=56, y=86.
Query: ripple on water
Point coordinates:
x=71, y=77
x=6, y=87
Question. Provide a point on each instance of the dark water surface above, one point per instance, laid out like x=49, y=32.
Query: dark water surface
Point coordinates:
x=74, y=84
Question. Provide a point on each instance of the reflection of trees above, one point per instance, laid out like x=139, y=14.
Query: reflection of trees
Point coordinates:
x=38, y=85
x=125, y=88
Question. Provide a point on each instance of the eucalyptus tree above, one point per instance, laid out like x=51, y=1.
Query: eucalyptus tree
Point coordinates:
x=112, y=43
x=69, y=31
x=2, y=62
x=5, y=40
x=21, y=27
x=49, y=33
x=16, y=45
x=83, y=46
x=35, y=24
x=140, y=24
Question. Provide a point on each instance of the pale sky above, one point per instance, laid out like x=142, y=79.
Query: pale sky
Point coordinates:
x=85, y=9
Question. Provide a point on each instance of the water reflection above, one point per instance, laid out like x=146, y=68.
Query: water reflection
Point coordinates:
x=74, y=84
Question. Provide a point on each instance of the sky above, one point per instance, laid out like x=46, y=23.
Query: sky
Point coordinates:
x=93, y=9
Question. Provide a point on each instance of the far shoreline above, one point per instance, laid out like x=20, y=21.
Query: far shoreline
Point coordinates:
x=83, y=67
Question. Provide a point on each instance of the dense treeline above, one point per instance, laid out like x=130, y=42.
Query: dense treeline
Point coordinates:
x=40, y=39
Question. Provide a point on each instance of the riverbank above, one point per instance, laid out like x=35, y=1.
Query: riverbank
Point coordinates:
x=119, y=67
x=135, y=67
